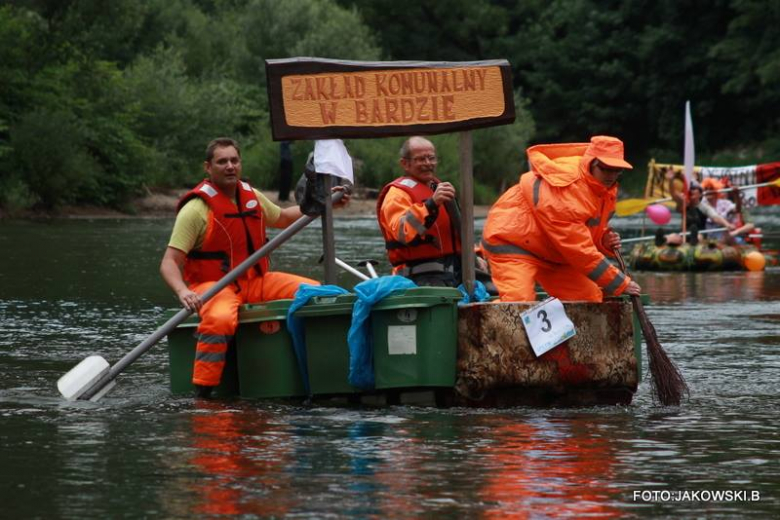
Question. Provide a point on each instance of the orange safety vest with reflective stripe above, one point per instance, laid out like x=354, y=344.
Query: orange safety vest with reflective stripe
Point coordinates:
x=232, y=234
x=424, y=230
x=558, y=213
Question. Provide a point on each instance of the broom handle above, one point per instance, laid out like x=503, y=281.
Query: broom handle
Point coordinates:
x=636, y=300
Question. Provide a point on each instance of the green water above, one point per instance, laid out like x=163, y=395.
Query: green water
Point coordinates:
x=70, y=288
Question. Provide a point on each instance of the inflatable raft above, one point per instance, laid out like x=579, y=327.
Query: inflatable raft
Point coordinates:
x=705, y=256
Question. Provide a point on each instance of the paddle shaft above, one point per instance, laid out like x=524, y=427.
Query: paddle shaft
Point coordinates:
x=183, y=314
x=341, y=263
x=651, y=237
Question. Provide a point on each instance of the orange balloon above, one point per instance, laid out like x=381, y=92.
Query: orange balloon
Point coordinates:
x=754, y=261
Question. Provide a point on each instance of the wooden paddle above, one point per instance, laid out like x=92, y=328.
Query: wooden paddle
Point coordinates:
x=92, y=378
x=630, y=206
x=667, y=380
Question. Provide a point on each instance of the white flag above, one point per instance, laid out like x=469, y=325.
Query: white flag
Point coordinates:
x=688, y=158
x=331, y=157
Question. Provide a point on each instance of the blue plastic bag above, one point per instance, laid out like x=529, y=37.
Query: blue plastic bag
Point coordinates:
x=361, y=352
x=480, y=293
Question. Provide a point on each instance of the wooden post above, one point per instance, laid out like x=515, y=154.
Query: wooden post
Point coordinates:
x=466, y=199
x=328, y=241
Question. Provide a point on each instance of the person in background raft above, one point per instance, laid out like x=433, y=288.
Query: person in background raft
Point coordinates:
x=220, y=223
x=730, y=211
x=553, y=226
x=419, y=219
x=697, y=213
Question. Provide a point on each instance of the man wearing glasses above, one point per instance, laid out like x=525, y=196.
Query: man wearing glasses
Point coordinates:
x=419, y=218
x=553, y=226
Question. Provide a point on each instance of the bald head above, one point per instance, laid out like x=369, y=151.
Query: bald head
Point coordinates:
x=418, y=159
x=413, y=142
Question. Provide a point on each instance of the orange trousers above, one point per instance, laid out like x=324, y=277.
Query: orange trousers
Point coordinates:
x=219, y=318
x=515, y=277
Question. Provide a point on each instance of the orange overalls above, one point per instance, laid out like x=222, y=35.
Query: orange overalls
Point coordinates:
x=232, y=235
x=549, y=227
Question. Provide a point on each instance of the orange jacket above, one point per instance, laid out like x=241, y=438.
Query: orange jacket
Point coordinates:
x=414, y=228
x=231, y=235
x=557, y=213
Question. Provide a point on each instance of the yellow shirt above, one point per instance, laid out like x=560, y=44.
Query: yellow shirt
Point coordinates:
x=190, y=225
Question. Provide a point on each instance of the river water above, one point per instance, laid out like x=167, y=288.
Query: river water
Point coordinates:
x=70, y=288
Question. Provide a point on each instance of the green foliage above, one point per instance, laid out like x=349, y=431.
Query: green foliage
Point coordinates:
x=445, y=30
x=178, y=115
x=260, y=158
x=15, y=195
x=101, y=98
x=50, y=153
x=618, y=68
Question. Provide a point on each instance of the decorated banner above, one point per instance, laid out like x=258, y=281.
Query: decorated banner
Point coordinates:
x=312, y=98
x=664, y=179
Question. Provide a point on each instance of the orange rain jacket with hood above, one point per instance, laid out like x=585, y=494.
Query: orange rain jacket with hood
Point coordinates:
x=557, y=215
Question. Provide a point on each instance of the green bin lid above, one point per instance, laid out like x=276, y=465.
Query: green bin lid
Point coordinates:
x=420, y=297
x=328, y=305
x=273, y=310
x=255, y=312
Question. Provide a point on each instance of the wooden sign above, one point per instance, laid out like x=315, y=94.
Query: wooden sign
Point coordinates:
x=324, y=99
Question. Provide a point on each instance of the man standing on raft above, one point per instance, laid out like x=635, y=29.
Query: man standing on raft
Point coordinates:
x=553, y=226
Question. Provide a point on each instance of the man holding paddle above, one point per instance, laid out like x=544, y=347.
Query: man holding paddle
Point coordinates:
x=219, y=224
x=553, y=226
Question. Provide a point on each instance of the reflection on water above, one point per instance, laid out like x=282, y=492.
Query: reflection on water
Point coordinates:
x=236, y=451
x=553, y=468
x=723, y=287
x=73, y=288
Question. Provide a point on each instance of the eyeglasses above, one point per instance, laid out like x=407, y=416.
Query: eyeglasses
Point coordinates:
x=424, y=158
x=615, y=171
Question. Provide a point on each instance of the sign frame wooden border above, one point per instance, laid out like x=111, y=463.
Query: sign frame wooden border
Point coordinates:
x=279, y=68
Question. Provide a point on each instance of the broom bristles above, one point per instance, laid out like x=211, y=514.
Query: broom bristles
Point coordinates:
x=667, y=381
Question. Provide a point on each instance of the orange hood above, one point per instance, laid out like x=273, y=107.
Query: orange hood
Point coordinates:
x=559, y=164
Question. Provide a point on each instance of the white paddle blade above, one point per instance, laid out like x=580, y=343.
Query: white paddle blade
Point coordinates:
x=81, y=377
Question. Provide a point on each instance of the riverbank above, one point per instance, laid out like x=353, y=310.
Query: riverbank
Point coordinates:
x=161, y=204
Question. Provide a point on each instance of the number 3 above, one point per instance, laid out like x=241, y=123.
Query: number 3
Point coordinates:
x=547, y=325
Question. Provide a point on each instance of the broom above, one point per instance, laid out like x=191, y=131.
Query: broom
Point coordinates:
x=667, y=381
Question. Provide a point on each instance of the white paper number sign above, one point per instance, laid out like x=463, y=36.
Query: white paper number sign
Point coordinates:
x=547, y=325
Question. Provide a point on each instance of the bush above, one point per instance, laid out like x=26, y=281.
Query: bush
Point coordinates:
x=50, y=155
x=15, y=195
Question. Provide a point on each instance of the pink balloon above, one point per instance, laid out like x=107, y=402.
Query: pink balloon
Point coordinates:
x=659, y=214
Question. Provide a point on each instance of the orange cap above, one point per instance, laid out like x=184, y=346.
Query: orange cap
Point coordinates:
x=608, y=150
x=712, y=185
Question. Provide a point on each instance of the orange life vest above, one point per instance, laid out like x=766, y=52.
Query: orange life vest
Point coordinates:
x=232, y=235
x=440, y=238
